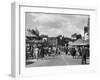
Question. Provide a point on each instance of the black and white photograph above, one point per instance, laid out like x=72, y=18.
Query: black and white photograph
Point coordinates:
x=56, y=39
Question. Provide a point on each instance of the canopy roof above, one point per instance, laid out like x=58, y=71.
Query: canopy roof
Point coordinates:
x=80, y=42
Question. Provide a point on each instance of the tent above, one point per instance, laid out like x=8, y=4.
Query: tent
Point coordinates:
x=79, y=42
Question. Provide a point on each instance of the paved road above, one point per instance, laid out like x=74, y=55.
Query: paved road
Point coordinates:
x=54, y=61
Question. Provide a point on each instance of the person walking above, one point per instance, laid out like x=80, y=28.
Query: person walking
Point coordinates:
x=49, y=51
x=80, y=51
x=73, y=52
x=42, y=52
x=84, y=55
x=36, y=52
x=66, y=50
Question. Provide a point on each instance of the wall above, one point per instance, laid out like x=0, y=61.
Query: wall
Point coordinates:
x=5, y=40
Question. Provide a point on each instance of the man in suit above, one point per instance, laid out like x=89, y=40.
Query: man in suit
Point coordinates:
x=84, y=53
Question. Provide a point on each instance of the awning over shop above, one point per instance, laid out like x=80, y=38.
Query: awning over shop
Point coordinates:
x=35, y=41
x=80, y=42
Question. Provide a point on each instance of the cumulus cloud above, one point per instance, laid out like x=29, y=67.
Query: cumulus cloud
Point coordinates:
x=56, y=24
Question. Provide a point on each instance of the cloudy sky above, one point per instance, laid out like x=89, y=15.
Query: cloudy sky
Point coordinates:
x=56, y=24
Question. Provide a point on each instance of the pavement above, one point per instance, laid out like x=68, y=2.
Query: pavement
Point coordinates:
x=54, y=61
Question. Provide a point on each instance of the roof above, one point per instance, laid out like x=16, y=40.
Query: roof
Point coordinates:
x=80, y=42
x=29, y=34
x=35, y=41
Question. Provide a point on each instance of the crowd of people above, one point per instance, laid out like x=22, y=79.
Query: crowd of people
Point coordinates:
x=39, y=52
x=80, y=52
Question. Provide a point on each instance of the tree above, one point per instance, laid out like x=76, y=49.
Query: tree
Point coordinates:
x=74, y=35
x=32, y=31
x=77, y=36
